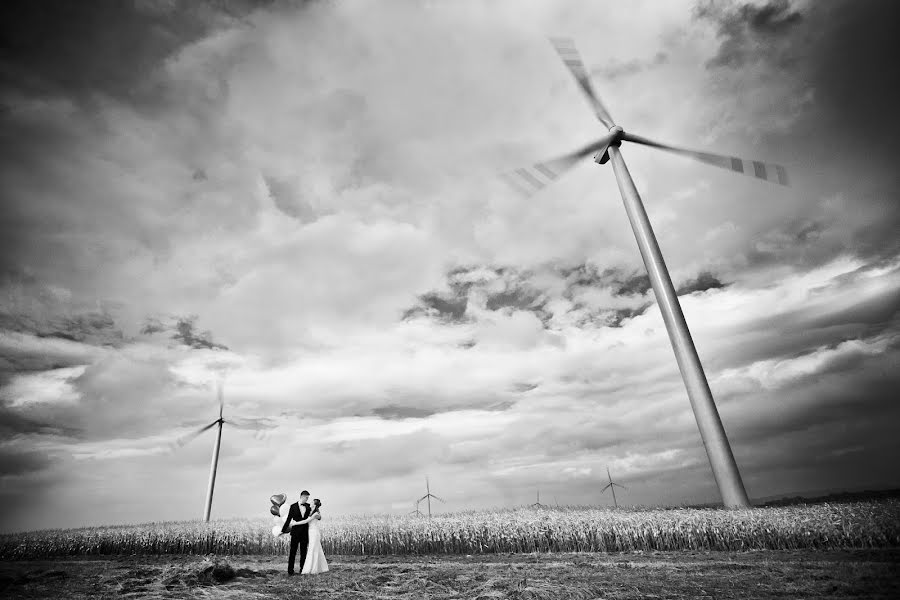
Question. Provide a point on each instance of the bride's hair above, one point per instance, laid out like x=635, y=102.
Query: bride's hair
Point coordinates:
x=317, y=503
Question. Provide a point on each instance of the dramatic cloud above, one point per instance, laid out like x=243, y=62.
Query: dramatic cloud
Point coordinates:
x=298, y=201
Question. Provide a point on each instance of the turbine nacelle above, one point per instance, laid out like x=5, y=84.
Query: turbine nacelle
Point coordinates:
x=615, y=139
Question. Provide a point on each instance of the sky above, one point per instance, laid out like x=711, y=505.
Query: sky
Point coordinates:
x=301, y=200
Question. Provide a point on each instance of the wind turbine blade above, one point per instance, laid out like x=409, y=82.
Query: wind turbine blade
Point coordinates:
x=608, y=485
x=437, y=498
x=769, y=171
x=187, y=438
x=565, y=47
x=621, y=486
x=531, y=180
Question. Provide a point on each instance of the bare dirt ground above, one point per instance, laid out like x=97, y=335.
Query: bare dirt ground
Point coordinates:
x=868, y=574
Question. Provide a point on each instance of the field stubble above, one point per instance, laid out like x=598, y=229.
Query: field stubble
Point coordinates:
x=868, y=574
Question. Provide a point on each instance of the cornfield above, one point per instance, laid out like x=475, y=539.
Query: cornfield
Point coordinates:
x=568, y=529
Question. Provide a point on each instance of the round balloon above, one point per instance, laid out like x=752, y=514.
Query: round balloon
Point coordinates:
x=278, y=499
x=274, y=510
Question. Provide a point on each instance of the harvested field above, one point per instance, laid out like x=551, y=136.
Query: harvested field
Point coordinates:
x=868, y=574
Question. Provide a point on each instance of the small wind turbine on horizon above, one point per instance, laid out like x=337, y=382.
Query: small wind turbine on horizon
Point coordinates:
x=428, y=496
x=416, y=512
x=213, y=467
x=606, y=149
x=612, y=487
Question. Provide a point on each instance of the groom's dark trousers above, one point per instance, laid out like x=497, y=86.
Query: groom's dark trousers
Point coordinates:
x=299, y=534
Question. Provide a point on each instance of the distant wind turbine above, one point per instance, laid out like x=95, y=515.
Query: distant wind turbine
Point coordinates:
x=428, y=496
x=416, y=512
x=612, y=487
x=538, y=503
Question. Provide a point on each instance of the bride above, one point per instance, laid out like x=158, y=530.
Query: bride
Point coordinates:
x=315, y=557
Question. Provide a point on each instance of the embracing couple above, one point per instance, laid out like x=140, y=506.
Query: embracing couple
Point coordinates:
x=302, y=523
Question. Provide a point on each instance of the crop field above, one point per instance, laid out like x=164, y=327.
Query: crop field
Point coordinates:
x=845, y=550
x=873, y=524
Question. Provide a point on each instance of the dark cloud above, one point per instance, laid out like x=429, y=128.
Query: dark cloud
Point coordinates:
x=118, y=397
x=589, y=275
x=289, y=201
x=12, y=423
x=407, y=406
x=845, y=141
x=517, y=298
x=186, y=334
x=618, y=316
x=837, y=426
x=447, y=309
x=94, y=328
x=636, y=284
x=522, y=291
x=44, y=45
x=867, y=318
x=34, y=309
x=747, y=27
x=851, y=387
x=395, y=412
x=35, y=316
x=519, y=295
x=183, y=331
x=704, y=281
x=605, y=317
x=802, y=331
x=14, y=461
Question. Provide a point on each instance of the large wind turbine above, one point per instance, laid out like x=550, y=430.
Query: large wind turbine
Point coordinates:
x=605, y=149
x=215, y=456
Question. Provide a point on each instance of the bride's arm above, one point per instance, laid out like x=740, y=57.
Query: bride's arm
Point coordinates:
x=306, y=520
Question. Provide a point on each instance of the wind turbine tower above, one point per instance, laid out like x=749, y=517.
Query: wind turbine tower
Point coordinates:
x=215, y=457
x=612, y=487
x=428, y=496
x=214, y=464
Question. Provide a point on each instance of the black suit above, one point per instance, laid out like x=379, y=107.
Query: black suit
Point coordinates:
x=299, y=533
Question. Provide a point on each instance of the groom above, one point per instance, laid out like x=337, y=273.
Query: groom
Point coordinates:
x=299, y=512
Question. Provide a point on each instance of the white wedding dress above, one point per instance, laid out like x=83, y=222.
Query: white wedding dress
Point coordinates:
x=315, y=556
